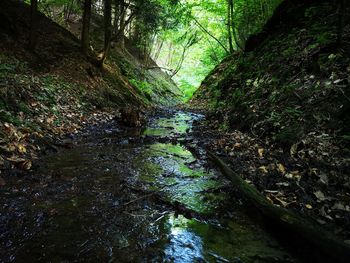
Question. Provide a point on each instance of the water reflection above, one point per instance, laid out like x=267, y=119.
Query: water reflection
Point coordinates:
x=184, y=245
x=179, y=124
x=93, y=203
x=169, y=168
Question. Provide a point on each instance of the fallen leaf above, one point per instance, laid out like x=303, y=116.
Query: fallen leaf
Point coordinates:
x=9, y=148
x=340, y=206
x=308, y=206
x=323, y=178
x=322, y=222
x=21, y=148
x=26, y=165
x=281, y=168
x=237, y=146
x=263, y=169
x=16, y=159
x=261, y=152
x=281, y=202
x=337, y=81
x=320, y=196
x=293, y=175
x=293, y=149
x=2, y=182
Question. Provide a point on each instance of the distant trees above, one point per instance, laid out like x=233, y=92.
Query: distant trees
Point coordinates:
x=144, y=20
x=247, y=17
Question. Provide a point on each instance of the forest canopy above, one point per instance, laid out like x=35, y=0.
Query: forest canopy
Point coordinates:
x=186, y=38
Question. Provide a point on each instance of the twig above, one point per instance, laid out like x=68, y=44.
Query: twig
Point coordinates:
x=137, y=199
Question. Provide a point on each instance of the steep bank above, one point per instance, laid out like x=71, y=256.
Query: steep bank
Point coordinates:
x=55, y=90
x=285, y=107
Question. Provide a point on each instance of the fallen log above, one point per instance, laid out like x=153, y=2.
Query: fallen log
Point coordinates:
x=321, y=245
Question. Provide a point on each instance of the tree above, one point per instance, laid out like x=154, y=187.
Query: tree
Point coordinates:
x=33, y=24
x=229, y=25
x=107, y=31
x=85, y=34
x=189, y=42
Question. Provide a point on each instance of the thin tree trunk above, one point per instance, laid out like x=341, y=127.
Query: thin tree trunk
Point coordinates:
x=33, y=36
x=210, y=34
x=158, y=50
x=122, y=25
x=168, y=60
x=229, y=24
x=70, y=9
x=85, y=34
x=233, y=26
x=108, y=31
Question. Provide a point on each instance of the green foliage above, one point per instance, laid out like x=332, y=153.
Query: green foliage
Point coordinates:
x=143, y=87
x=251, y=15
x=187, y=88
x=187, y=37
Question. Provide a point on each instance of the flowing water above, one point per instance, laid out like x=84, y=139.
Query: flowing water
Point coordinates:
x=130, y=195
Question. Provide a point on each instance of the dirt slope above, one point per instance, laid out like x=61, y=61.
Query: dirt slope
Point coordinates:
x=55, y=90
x=284, y=109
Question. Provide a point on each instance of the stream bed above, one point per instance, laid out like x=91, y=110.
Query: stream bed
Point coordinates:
x=130, y=195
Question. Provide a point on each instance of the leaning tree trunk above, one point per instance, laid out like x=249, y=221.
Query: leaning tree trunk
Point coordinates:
x=33, y=36
x=85, y=34
x=321, y=245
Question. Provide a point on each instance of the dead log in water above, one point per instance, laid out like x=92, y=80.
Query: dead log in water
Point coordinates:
x=322, y=245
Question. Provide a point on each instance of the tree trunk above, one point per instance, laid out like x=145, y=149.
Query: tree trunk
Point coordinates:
x=321, y=245
x=33, y=36
x=108, y=31
x=233, y=27
x=85, y=34
x=122, y=25
x=229, y=25
x=158, y=50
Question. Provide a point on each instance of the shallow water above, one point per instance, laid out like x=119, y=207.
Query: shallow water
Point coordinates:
x=130, y=196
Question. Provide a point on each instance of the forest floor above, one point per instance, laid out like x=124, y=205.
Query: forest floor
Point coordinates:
x=288, y=181
x=55, y=90
x=47, y=101
x=279, y=113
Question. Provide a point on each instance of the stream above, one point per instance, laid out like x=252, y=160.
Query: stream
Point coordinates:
x=130, y=195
